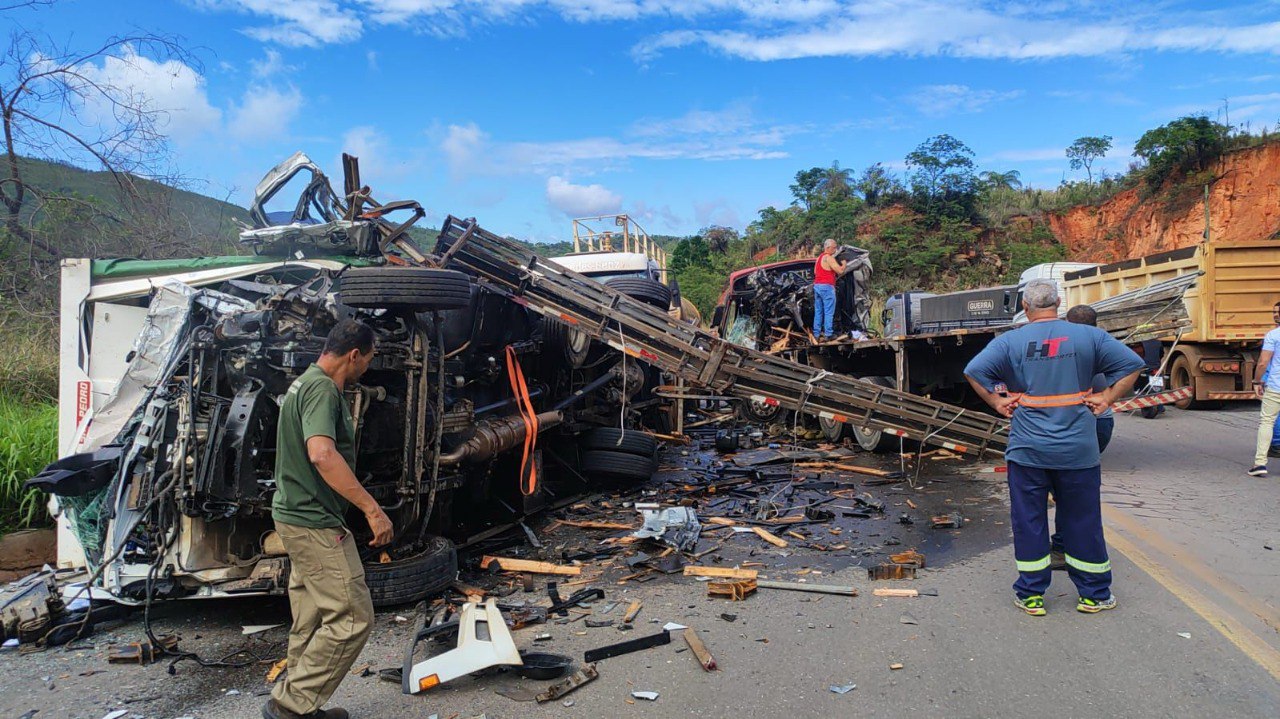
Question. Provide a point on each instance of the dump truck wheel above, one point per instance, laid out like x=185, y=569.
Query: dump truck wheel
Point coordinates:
x=832, y=430
x=758, y=412
x=632, y=441
x=419, y=288
x=1180, y=375
x=565, y=343
x=650, y=292
x=618, y=466
x=412, y=578
x=874, y=440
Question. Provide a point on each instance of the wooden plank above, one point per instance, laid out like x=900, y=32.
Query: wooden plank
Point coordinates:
x=722, y=521
x=721, y=572
x=769, y=537
x=895, y=592
x=699, y=649
x=525, y=565
x=815, y=588
x=632, y=612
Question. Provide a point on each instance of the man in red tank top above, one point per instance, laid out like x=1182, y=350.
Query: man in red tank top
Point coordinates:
x=825, y=271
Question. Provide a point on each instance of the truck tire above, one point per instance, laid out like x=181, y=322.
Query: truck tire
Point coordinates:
x=759, y=413
x=632, y=441
x=650, y=292
x=619, y=467
x=832, y=430
x=564, y=343
x=874, y=440
x=412, y=578
x=1181, y=374
x=422, y=289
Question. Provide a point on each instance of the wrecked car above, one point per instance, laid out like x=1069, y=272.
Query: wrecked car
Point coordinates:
x=174, y=372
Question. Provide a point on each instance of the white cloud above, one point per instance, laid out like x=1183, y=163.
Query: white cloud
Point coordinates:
x=171, y=88
x=940, y=100
x=378, y=162
x=271, y=65
x=716, y=212
x=371, y=58
x=731, y=134
x=581, y=200
x=297, y=23
x=264, y=114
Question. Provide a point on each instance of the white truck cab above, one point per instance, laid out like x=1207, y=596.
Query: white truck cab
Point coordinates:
x=1055, y=271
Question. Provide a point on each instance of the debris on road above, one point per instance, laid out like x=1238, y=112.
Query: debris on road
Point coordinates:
x=893, y=592
x=645, y=695
x=815, y=588
x=585, y=675
x=895, y=666
x=143, y=652
x=720, y=572
x=907, y=619
x=676, y=527
x=891, y=571
x=627, y=647
x=699, y=649
x=842, y=688
x=524, y=565
x=736, y=591
x=952, y=520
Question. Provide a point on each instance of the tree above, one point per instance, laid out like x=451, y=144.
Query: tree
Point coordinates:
x=835, y=183
x=1011, y=180
x=56, y=105
x=1187, y=144
x=718, y=237
x=690, y=252
x=942, y=179
x=805, y=188
x=876, y=186
x=1085, y=150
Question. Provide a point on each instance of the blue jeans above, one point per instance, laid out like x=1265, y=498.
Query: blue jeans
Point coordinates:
x=824, y=309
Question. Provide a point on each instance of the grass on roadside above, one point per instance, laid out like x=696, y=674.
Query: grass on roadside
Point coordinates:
x=28, y=442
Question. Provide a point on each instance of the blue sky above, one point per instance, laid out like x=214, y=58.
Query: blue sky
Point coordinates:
x=525, y=113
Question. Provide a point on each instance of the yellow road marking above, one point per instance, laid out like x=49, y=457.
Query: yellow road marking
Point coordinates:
x=1234, y=592
x=1246, y=641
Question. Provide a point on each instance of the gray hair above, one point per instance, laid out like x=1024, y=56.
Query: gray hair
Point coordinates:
x=828, y=243
x=1040, y=294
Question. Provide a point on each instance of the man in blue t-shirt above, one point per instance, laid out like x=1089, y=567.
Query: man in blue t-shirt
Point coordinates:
x=1040, y=375
x=1266, y=384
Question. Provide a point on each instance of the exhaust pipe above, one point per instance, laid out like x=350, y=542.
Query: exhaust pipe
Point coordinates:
x=496, y=436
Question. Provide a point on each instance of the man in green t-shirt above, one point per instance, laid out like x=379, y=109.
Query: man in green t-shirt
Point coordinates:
x=315, y=485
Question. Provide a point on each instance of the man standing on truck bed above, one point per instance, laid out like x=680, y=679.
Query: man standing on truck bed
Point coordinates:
x=1040, y=375
x=825, y=271
x=315, y=485
x=1266, y=384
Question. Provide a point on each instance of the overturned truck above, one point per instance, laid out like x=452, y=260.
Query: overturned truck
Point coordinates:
x=168, y=478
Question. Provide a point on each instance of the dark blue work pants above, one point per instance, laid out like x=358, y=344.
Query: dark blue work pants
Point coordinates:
x=1106, y=426
x=1078, y=493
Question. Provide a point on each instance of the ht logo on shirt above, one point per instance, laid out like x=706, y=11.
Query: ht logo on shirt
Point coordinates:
x=1048, y=349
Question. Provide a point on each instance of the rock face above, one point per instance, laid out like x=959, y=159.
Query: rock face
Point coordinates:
x=24, y=552
x=1244, y=205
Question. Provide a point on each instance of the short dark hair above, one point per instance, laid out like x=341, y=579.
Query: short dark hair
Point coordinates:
x=1083, y=315
x=349, y=335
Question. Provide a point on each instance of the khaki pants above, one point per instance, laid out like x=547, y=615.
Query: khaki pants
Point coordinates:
x=1266, y=426
x=332, y=614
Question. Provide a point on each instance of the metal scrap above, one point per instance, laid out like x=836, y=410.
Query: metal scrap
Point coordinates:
x=676, y=527
x=627, y=647
x=585, y=675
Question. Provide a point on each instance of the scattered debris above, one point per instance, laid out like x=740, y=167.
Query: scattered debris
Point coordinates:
x=907, y=619
x=471, y=654
x=910, y=556
x=647, y=696
x=276, y=670
x=526, y=565
x=599, y=623
x=585, y=675
x=1185, y=635
x=729, y=617
x=632, y=612
x=895, y=666
x=952, y=520
x=891, y=571
x=892, y=592
x=627, y=647
x=842, y=688
x=769, y=537
x=541, y=665
x=736, y=591
x=142, y=652
x=815, y=588
x=676, y=527
x=720, y=572
x=253, y=629
x=705, y=660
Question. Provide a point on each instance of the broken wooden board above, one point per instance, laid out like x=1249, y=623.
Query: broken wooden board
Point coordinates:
x=720, y=572
x=736, y=591
x=769, y=537
x=815, y=588
x=581, y=524
x=527, y=565
x=632, y=612
x=705, y=660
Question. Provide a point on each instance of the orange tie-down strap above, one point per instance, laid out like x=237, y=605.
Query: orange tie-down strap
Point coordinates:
x=1052, y=400
x=528, y=467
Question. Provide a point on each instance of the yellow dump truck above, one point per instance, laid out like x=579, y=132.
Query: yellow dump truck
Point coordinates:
x=1230, y=310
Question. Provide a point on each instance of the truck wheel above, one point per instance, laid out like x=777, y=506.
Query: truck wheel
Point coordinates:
x=832, y=430
x=650, y=292
x=758, y=412
x=565, y=343
x=633, y=441
x=875, y=440
x=415, y=577
x=418, y=288
x=619, y=467
x=1181, y=375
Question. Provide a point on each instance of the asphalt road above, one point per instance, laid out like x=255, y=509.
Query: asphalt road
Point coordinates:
x=1189, y=533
